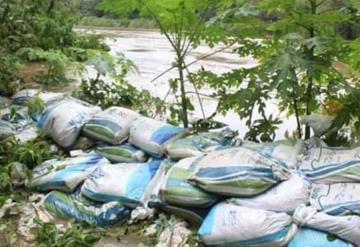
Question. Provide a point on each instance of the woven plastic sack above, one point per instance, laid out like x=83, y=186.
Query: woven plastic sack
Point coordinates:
x=177, y=190
x=77, y=207
x=201, y=143
x=238, y=172
x=332, y=165
x=26, y=95
x=344, y=227
x=63, y=121
x=64, y=175
x=284, y=197
x=195, y=216
x=150, y=135
x=111, y=126
x=288, y=152
x=312, y=238
x=121, y=153
x=6, y=129
x=231, y=225
x=336, y=199
x=123, y=182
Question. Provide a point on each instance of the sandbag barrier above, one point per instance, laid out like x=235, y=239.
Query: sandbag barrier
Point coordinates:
x=285, y=193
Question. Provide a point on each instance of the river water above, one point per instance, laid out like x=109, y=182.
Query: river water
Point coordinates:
x=152, y=55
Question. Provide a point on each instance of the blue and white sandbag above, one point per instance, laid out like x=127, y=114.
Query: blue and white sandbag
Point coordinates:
x=284, y=197
x=238, y=172
x=344, y=227
x=123, y=153
x=123, y=182
x=27, y=95
x=111, y=126
x=231, y=225
x=6, y=129
x=312, y=238
x=64, y=175
x=336, y=199
x=24, y=96
x=150, y=135
x=200, y=143
x=332, y=165
x=63, y=121
x=177, y=190
x=286, y=151
x=77, y=207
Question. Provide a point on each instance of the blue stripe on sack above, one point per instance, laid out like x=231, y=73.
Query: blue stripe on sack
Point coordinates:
x=165, y=133
x=52, y=185
x=115, y=127
x=73, y=169
x=317, y=172
x=178, y=183
x=153, y=166
x=276, y=236
x=109, y=198
x=343, y=208
x=216, y=172
x=206, y=227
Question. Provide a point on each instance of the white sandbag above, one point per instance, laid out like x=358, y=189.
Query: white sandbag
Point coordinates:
x=76, y=207
x=284, y=197
x=124, y=182
x=285, y=151
x=24, y=96
x=64, y=175
x=177, y=190
x=111, y=126
x=150, y=135
x=331, y=165
x=6, y=129
x=336, y=199
x=4, y=102
x=27, y=95
x=121, y=153
x=238, y=172
x=344, y=227
x=201, y=143
x=312, y=238
x=26, y=134
x=63, y=121
x=231, y=225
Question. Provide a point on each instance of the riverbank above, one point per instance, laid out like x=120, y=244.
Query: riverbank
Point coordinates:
x=105, y=23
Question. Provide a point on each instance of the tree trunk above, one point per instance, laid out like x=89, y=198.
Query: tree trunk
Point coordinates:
x=309, y=93
x=183, y=93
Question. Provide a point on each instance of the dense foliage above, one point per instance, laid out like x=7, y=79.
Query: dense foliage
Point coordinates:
x=296, y=63
x=41, y=32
